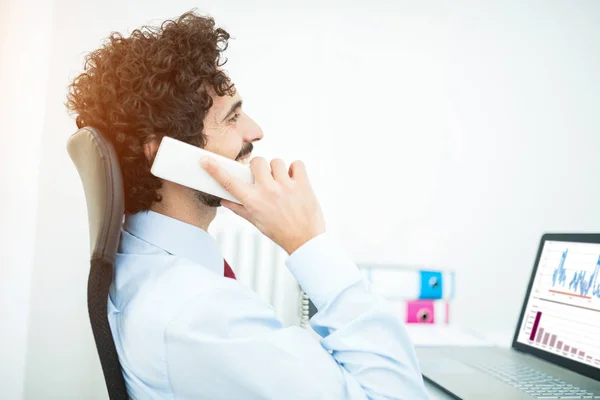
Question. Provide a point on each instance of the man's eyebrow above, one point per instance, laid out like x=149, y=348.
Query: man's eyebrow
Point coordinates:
x=234, y=107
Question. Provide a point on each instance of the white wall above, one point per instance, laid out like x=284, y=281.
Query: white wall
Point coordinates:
x=482, y=121
x=24, y=57
x=435, y=133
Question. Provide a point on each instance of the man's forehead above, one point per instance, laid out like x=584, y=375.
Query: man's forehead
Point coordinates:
x=225, y=101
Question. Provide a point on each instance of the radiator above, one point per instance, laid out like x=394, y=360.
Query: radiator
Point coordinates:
x=260, y=264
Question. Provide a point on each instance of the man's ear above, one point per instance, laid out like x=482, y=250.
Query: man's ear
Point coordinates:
x=150, y=149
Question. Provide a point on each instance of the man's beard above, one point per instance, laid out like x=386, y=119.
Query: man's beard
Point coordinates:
x=214, y=201
x=208, y=199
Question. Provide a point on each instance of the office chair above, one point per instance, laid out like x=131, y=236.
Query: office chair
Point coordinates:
x=98, y=167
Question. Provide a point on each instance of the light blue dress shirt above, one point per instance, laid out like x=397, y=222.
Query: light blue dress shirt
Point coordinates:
x=184, y=331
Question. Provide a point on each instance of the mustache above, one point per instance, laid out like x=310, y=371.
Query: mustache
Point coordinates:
x=247, y=149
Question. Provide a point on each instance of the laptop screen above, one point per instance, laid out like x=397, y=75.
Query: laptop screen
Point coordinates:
x=562, y=314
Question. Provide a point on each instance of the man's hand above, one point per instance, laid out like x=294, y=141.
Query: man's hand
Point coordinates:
x=281, y=203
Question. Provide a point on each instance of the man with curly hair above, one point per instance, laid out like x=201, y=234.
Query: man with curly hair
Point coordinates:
x=182, y=328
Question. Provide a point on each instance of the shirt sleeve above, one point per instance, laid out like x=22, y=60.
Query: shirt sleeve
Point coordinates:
x=229, y=344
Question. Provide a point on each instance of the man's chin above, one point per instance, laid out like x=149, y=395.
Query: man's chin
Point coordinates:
x=208, y=199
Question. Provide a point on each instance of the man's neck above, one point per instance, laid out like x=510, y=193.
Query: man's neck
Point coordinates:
x=190, y=211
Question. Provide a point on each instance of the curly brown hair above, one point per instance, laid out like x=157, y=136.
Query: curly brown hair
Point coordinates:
x=151, y=84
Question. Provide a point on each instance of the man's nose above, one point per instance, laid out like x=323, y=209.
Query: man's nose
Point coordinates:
x=253, y=132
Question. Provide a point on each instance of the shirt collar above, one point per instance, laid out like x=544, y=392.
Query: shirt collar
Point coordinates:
x=177, y=238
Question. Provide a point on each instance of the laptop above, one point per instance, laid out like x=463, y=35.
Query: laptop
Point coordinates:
x=555, y=352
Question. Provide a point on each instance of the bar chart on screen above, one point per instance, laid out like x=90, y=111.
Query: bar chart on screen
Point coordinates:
x=565, y=336
x=563, y=310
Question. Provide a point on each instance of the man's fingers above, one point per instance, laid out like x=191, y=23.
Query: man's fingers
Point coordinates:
x=298, y=171
x=261, y=171
x=279, y=171
x=237, y=188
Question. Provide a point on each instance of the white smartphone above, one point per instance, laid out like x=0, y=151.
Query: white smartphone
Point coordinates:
x=179, y=162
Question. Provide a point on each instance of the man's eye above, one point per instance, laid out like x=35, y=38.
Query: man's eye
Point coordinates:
x=234, y=118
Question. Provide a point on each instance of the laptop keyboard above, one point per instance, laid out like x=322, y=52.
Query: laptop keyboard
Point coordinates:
x=536, y=383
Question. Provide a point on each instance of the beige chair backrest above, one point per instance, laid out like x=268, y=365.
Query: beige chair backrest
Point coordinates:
x=98, y=167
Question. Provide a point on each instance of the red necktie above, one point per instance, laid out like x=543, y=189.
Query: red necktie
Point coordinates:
x=228, y=271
